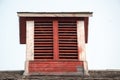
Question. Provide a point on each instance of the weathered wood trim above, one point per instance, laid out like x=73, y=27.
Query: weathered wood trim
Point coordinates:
x=26, y=71
x=29, y=44
x=30, y=40
x=81, y=40
x=81, y=44
x=54, y=14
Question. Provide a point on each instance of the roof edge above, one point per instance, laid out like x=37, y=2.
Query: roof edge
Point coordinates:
x=54, y=14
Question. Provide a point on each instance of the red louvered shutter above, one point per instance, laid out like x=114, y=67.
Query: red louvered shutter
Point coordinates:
x=45, y=36
x=68, y=40
x=43, y=40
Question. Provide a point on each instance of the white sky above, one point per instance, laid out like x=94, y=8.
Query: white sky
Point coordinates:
x=102, y=50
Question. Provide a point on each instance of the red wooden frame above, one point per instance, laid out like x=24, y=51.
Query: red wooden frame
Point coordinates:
x=55, y=40
x=22, y=24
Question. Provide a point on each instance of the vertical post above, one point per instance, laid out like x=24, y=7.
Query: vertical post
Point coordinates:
x=55, y=40
x=81, y=45
x=29, y=43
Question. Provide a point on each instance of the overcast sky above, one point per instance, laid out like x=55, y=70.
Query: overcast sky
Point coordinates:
x=102, y=49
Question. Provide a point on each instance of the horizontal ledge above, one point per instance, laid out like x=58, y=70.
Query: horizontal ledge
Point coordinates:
x=54, y=14
x=58, y=73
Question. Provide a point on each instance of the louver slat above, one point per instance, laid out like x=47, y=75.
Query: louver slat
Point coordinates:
x=43, y=41
x=68, y=49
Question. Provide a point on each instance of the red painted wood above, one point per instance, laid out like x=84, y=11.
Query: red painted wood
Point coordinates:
x=86, y=19
x=54, y=66
x=43, y=40
x=55, y=43
x=22, y=25
x=55, y=40
x=22, y=30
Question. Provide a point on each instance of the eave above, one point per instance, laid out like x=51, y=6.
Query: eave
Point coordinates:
x=54, y=14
